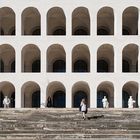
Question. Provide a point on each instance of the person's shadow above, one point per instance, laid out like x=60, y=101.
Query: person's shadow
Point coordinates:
x=95, y=117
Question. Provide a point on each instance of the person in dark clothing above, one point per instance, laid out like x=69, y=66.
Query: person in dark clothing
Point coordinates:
x=49, y=102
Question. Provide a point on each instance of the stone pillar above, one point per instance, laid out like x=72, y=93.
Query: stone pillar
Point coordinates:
x=68, y=96
x=118, y=22
x=43, y=59
x=93, y=23
x=118, y=95
x=18, y=23
x=18, y=64
x=138, y=22
x=18, y=96
x=68, y=60
x=93, y=96
x=42, y=96
x=68, y=14
x=118, y=62
x=43, y=24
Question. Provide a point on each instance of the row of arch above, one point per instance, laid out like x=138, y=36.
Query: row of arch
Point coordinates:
x=30, y=93
x=56, y=21
x=56, y=58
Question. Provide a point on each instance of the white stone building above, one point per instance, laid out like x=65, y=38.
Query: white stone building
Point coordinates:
x=69, y=49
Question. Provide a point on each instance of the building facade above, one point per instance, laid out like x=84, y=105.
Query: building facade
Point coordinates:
x=68, y=50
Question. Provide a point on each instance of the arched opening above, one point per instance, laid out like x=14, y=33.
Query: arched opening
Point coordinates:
x=130, y=58
x=7, y=53
x=7, y=20
x=30, y=95
x=1, y=66
x=80, y=90
x=59, y=66
x=59, y=99
x=31, y=20
x=130, y=89
x=36, y=66
x=30, y=58
x=105, y=89
x=80, y=66
x=36, y=99
x=56, y=21
x=130, y=21
x=7, y=89
x=80, y=58
x=105, y=21
x=80, y=21
x=12, y=100
x=102, y=66
x=105, y=58
x=1, y=99
x=56, y=59
x=56, y=91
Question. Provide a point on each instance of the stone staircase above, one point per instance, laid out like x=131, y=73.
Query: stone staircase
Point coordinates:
x=67, y=124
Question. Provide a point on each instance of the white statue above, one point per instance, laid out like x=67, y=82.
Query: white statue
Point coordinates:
x=131, y=102
x=6, y=102
x=105, y=102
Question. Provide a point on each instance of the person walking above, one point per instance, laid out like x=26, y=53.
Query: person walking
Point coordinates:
x=83, y=107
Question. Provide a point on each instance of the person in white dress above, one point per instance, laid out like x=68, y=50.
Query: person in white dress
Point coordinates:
x=83, y=108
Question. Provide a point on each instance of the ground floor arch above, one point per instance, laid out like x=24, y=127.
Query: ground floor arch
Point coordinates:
x=80, y=90
x=105, y=88
x=130, y=89
x=56, y=92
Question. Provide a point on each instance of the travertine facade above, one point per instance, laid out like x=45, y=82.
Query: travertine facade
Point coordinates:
x=69, y=50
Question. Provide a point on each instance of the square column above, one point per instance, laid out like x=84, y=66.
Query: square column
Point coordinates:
x=43, y=24
x=68, y=96
x=93, y=97
x=18, y=97
x=118, y=95
x=18, y=24
x=42, y=96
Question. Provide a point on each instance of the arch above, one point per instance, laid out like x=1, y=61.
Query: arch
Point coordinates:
x=56, y=21
x=130, y=21
x=7, y=50
x=7, y=16
x=129, y=89
x=130, y=58
x=1, y=32
x=30, y=58
x=6, y=89
x=105, y=58
x=30, y=95
x=105, y=21
x=80, y=58
x=13, y=66
x=80, y=90
x=105, y=88
x=56, y=91
x=30, y=20
x=36, y=31
x=56, y=58
x=80, y=21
